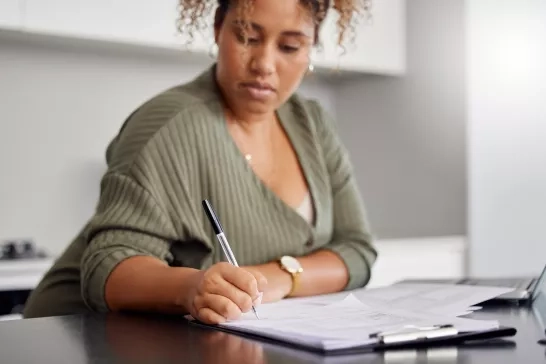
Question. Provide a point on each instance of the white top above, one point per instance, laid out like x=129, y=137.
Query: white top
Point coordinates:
x=305, y=209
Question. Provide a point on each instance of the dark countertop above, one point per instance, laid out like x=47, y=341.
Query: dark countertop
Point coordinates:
x=158, y=339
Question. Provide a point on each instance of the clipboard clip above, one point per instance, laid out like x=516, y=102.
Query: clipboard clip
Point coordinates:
x=412, y=333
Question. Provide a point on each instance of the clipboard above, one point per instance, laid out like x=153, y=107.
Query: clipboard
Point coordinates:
x=419, y=338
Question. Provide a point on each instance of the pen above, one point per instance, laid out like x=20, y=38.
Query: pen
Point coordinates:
x=219, y=231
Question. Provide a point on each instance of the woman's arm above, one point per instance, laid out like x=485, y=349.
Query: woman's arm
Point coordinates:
x=322, y=266
x=346, y=261
x=128, y=223
x=144, y=283
x=126, y=264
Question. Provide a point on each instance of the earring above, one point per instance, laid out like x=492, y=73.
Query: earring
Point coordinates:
x=310, y=67
x=213, y=51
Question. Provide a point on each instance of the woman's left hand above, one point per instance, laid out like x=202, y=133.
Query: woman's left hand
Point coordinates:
x=279, y=282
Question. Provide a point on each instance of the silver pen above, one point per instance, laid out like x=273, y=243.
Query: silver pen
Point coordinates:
x=219, y=231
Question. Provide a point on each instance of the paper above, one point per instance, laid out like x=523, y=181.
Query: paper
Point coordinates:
x=346, y=319
x=342, y=324
x=446, y=299
x=432, y=298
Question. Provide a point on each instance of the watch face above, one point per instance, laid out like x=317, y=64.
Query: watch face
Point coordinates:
x=291, y=264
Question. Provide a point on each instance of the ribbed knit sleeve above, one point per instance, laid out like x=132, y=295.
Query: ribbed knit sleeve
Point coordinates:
x=128, y=222
x=352, y=239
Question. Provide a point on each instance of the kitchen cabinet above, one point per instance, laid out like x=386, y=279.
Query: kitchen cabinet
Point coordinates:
x=152, y=22
x=145, y=23
x=74, y=18
x=10, y=14
x=379, y=47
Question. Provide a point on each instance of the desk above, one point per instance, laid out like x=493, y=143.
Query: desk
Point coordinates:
x=141, y=339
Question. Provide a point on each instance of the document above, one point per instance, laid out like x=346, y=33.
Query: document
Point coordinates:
x=432, y=298
x=445, y=299
x=343, y=324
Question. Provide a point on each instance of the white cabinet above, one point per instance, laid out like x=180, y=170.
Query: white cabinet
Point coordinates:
x=77, y=18
x=10, y=14
x=379, y=46
x=144, y=22
x=151, y=22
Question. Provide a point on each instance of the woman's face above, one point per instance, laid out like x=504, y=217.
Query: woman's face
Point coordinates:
x=258, y=77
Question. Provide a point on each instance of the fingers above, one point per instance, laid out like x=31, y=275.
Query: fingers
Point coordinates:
x=215, y=309
x=226, y=291
x=243, y=279
x=258, y=300
x=260, y=280
x=208, y=316
x=217, y=285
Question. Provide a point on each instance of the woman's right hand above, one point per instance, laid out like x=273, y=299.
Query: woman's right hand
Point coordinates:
x=223, y=292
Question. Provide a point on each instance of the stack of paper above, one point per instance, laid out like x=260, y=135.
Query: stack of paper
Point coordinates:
x=432, y=298
x=349, y=320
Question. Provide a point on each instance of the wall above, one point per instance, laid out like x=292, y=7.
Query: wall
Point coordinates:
x=418, y=258
x=61, y=105
x=407, y=134
x=507, y=136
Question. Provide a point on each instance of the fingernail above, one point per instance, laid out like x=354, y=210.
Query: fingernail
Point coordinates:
x=258, y=300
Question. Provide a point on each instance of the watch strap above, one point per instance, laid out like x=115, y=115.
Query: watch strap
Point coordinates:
x=294, y=275
x=295, y=282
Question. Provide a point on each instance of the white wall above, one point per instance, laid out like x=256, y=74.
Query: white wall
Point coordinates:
x=407, y=134
x=60, y=107
x=507, y=136
x=434, y=257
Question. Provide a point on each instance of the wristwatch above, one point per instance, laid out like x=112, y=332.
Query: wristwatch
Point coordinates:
x=294, y=268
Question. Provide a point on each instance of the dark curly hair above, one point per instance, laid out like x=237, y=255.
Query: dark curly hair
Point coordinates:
x=194, y=15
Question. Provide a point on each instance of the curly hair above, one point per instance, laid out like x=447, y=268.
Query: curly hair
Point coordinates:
x=194, y=15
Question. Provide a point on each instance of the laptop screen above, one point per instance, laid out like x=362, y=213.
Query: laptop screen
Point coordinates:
x=539, y=299
x=540, y=285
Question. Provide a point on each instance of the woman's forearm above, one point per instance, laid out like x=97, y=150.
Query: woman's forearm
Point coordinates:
x=143, y=283
x=323, y=272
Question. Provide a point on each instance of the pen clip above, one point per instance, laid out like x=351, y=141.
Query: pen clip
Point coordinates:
x=219, y=231
x=214, y=221
x=412, y=333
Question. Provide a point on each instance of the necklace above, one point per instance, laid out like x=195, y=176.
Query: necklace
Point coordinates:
x=248, y=156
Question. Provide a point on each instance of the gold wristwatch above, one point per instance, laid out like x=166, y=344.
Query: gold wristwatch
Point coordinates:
x=294, y=268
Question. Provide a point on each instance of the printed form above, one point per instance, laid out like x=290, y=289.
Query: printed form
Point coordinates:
x=345, y=323
x=444, y=299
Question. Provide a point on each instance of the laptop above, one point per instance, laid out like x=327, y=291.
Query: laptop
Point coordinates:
x=539, y=302
x=525, y=289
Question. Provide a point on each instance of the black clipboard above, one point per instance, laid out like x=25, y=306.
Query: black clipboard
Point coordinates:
x=460, y=338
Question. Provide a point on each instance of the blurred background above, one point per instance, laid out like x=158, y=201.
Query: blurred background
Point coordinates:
x=441, y=103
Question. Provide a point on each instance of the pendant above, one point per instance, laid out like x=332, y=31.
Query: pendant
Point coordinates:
x=248, y=157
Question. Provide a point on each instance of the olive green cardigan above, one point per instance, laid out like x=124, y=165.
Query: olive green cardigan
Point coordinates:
x=173, y=152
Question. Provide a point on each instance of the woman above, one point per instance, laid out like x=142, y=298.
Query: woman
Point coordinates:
x=267, y=159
